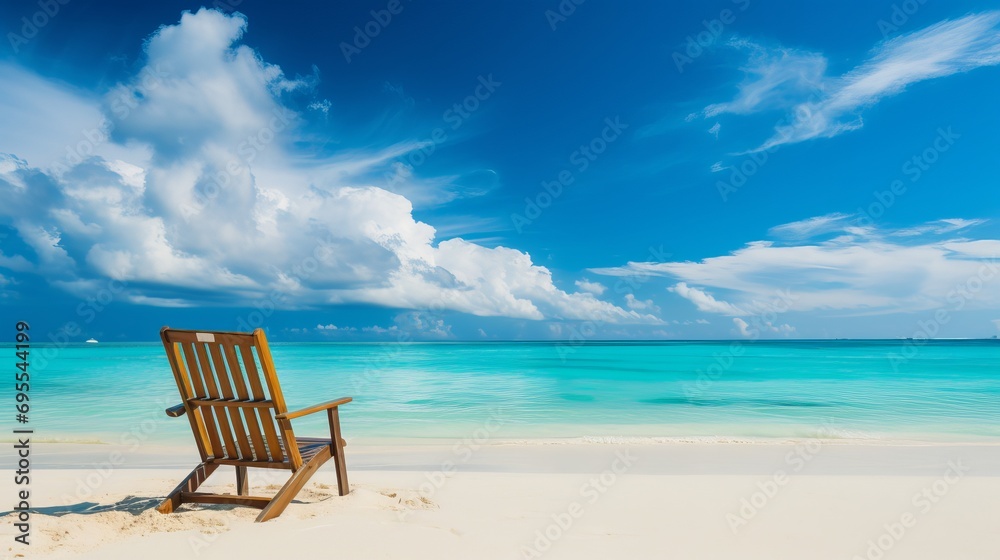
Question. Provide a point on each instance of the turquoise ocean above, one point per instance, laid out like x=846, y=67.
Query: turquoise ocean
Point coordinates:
x=703, y=391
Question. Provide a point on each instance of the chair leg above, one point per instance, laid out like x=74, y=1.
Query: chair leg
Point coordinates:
x=242, y=483
x=189, y=484
x=292, y=487
x=338, y=451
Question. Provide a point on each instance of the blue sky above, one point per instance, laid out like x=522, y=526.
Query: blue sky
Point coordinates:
x=518, y=170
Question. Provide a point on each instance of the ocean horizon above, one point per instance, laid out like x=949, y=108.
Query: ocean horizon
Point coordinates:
x=700, y=391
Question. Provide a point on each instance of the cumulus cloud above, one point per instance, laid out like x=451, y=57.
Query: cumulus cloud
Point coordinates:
x=595, y=288
x=633, y=302
x=864, y=272
x=704, y=301
x=759, y=329
x=200, y=196
x=822, y=106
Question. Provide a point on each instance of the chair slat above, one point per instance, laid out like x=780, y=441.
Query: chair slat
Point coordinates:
x=184, y=386
x=208, y=376
x=196, y=381
x=208, y=418
x=234, y=413
x=267, y=421
x=271, y=378
x=252, y=375
x=229, y=446
x=231, y=403
x=249, y=414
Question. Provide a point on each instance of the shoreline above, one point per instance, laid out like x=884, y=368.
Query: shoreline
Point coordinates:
x=880, y=440
x=834, y=457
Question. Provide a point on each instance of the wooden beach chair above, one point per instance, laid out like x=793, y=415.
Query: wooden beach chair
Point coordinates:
x=241, y=421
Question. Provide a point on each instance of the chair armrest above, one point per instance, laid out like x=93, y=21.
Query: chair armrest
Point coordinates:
x=312, y=409
x=176, y=411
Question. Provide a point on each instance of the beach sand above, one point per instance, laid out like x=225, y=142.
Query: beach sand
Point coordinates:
x=556, y=499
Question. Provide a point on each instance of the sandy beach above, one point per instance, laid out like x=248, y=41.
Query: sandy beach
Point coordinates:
x=553, y=499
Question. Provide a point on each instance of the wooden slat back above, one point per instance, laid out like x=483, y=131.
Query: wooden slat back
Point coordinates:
x=231, y=409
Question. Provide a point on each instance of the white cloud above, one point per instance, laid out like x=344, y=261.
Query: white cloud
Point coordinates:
x=758, y=329
x=811, y=226
x=423, y=323
x=42, y=120
x=211, y=201
x=823, y=106
x=640, y=304
x=938, y=227
x=321, y=106
x=717, y=167
x=704, y=301
x=861, y=274
x=774, y=79
x=714, y=131
x=375, y=329
x=595, y=288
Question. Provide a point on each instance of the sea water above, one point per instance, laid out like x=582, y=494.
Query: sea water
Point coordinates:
x=697, y=391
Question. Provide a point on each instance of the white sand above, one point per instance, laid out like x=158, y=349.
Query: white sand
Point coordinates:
x=801, y=501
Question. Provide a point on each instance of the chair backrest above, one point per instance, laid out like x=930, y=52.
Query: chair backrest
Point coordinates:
x=231, y=394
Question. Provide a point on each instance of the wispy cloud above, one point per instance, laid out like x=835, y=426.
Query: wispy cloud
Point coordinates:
x=938, y=227
x=857, y=273
x=811, y=226
x=822, y=106
x=775, y=79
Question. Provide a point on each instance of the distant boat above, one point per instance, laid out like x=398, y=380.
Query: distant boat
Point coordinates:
x=91, y=341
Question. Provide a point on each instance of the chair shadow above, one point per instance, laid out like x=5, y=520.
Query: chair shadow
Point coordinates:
x=135, y=505
x=130, y=504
